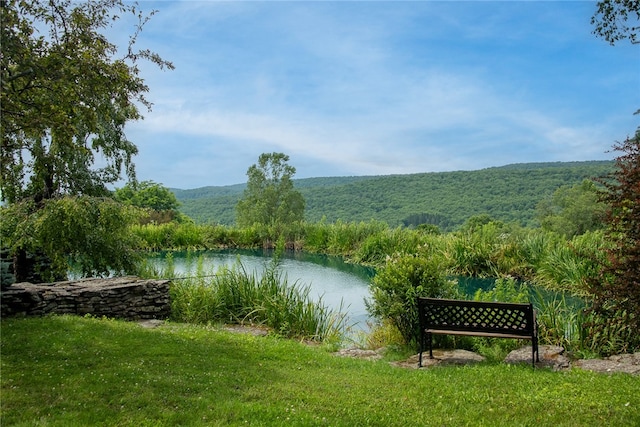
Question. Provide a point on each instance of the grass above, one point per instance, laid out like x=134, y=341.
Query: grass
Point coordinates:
x=67, y=371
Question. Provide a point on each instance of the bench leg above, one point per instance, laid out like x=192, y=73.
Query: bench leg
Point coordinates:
x=421, y=349
x=430, y=346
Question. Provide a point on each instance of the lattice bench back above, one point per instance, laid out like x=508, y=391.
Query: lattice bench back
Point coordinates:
x=491, y=319
x=496, y=317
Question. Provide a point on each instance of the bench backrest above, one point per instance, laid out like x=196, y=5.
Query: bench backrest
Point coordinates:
x=476, y=316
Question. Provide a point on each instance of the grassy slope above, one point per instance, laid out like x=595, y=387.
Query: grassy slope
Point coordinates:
x=508, y=193
x=77, y=371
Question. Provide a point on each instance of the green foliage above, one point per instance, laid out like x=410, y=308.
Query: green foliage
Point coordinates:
x=427, y=221
x=384, y=334
x=505, y=289
x=408, y=258
x=397, y=285
x=316, y=236
x=170, y=235
x=91, y=234
x=610, y=330
x=561, y=321
x=66, y=98
x=616, y=291
x=147, y=195
x=474, y=250
x=571, y=265
x=374, y=249
x=572, y=210
x=447, y=199
x=270, y=198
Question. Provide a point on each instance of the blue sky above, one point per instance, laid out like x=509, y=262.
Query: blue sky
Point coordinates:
x=375, y=88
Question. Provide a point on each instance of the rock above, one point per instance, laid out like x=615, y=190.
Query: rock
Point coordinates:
x=246, y=329
x=550, y=356
x=441, y=357
x=627, y=363
x=128, y=298
x=359, y=353
x=151, y=323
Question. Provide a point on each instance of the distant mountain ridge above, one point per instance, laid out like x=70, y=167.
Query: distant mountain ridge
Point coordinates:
x=447, y=199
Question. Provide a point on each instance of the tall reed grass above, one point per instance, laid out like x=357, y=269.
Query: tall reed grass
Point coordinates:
x=170, y=235
x=234, y=295
x=561, y=320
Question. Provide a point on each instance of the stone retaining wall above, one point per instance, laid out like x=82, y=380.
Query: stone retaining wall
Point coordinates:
x=124, y=297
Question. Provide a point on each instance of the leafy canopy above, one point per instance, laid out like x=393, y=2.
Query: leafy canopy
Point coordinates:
x=67, y=94
x=66, y=97
x=270, y=197
x=572, y=210
x=147, y=194
x=90, y=233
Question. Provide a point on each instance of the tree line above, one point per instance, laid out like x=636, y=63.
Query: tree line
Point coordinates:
x=445, y=199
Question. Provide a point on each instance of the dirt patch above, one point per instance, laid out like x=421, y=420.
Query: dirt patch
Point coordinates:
x=358, y=353
x=151, y=323
x=258, y=331
x=441, y=357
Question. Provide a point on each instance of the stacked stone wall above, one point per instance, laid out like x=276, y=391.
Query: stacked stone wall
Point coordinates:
x=127, y=298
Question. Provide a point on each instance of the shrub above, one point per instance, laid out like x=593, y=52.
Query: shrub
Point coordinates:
x=405, y=277
x=473, y=251
x=560, y=320
x=505, y=290
x=377, y=246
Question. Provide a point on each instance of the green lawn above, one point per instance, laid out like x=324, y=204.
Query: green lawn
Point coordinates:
x=79, y=371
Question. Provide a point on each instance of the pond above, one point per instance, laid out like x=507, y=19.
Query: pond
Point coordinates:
x=339, y=285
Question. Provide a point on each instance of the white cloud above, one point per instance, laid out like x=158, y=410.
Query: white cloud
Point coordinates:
x=375, y=88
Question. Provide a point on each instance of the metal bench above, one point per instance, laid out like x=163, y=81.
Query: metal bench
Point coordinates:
x=476, y=318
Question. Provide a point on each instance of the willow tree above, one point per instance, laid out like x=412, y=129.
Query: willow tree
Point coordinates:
x=67, y=94
x=270, y=197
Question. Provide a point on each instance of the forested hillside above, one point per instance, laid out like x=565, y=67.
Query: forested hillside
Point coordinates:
x=447, y=199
